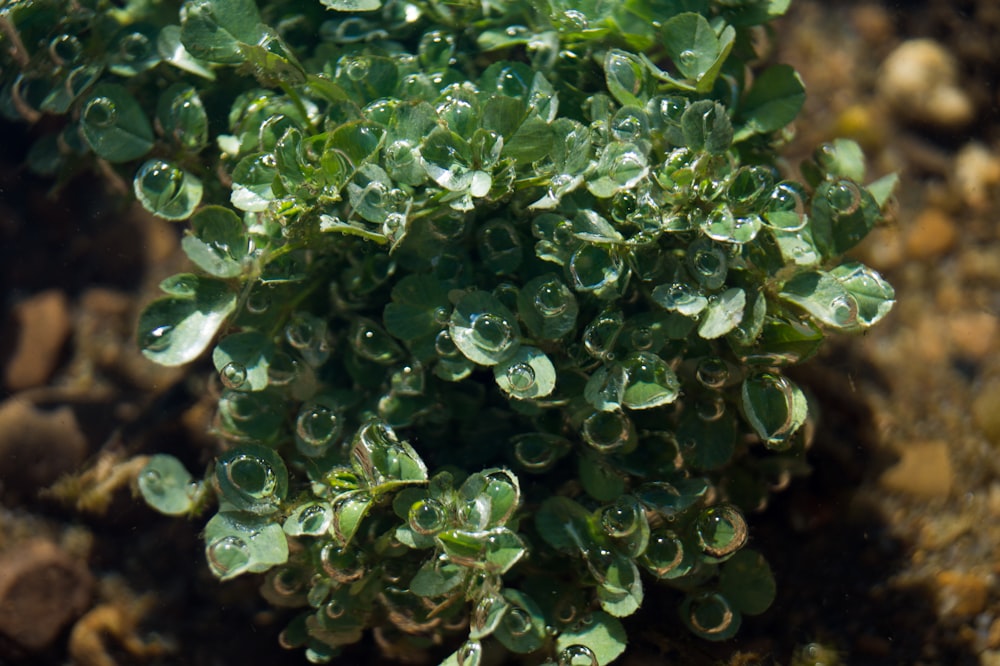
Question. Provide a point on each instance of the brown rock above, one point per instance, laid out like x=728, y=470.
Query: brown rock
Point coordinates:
x=37, y=447
x=919, y=80
x=42, y=589
x=986, y=411
x=974, y=334
x=961, y=594
x=933, y=234
x=44, y=324
x=924, y=470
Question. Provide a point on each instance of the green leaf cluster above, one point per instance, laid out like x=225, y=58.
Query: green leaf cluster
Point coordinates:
x=499, y=294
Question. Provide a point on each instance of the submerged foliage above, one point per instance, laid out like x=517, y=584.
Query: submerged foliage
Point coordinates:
x=499, y=292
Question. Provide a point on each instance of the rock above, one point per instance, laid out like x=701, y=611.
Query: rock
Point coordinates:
x=919, y=81
x=961, y=594
x=924, y=470
x=43, y=326
x=36, y=447
x=42, y=590
x=932, y=234
x=973, y=334
x=977, y=175
x=985, y=411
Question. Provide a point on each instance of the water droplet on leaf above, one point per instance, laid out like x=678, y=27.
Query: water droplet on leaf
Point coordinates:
x=101, y=112
x=577, y=655
x=233, y=375
x=228, y=555
x=427, y=517
x=721, y=530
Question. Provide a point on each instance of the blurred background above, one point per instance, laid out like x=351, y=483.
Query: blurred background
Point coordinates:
x=886, y=554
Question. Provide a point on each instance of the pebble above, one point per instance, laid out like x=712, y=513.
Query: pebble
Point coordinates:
x=961, y=594
x=977, y=175
x=985, y=411
x=924, y=470
x=42, y=590
x=37, y=447
x=973, y=334
x=919, y=80
x=43, y=326
x=931, y=235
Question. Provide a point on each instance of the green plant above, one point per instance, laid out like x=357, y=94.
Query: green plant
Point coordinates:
x=501, y=313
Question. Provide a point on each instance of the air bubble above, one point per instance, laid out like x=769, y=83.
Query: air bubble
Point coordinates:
x=711, y=409
x=313, y=519
x=552, y=298
x=710, y=613
x=712, y=372
x=341, y=565
x=408, y=380
x=469, y=654
x=287, y=582
x=844, y=310
x=445, y=346
x=650, y=381
x=233, y=375
x=427, y=517
x=622, y=518
x=595, y=268
x=65, y=50
x=521, y=377
x=258, y=302
x=135, y=46
x=844, y=197
x=371, y=342
x=642, y=338
x=600, y=336
x=228, y=555
x=680, y=297
x=317, y=425
x=492, y=332
x=687, y=57
x=607, y=432
x=517, y=621
x=437, y=49
x=721, y=530
x=250, y=475
x=158, y=183
x=537, y=452
x=664, y=553
x=577, y=655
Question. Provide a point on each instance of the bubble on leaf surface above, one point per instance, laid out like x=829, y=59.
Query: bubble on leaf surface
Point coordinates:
x=601, y=335
x=774, y=406
x=166, y=190
x=721, y=530
x=607, y=432
x=710, y=615
x=622, y=518
x=233, y=375
x=650, y=381
x=469, y=654
x=664, y=555
x=228, y=556
x=317, y=425
x=427, y=517
x=595, y=268
x=483, y=329
x=529, y=373
x=166, y=485
x=577, y=655
x=252, y=478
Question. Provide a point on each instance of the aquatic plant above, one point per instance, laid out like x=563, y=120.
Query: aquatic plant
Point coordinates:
x=499, y=293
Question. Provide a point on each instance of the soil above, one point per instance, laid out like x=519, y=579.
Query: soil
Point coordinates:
x=885, y=554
